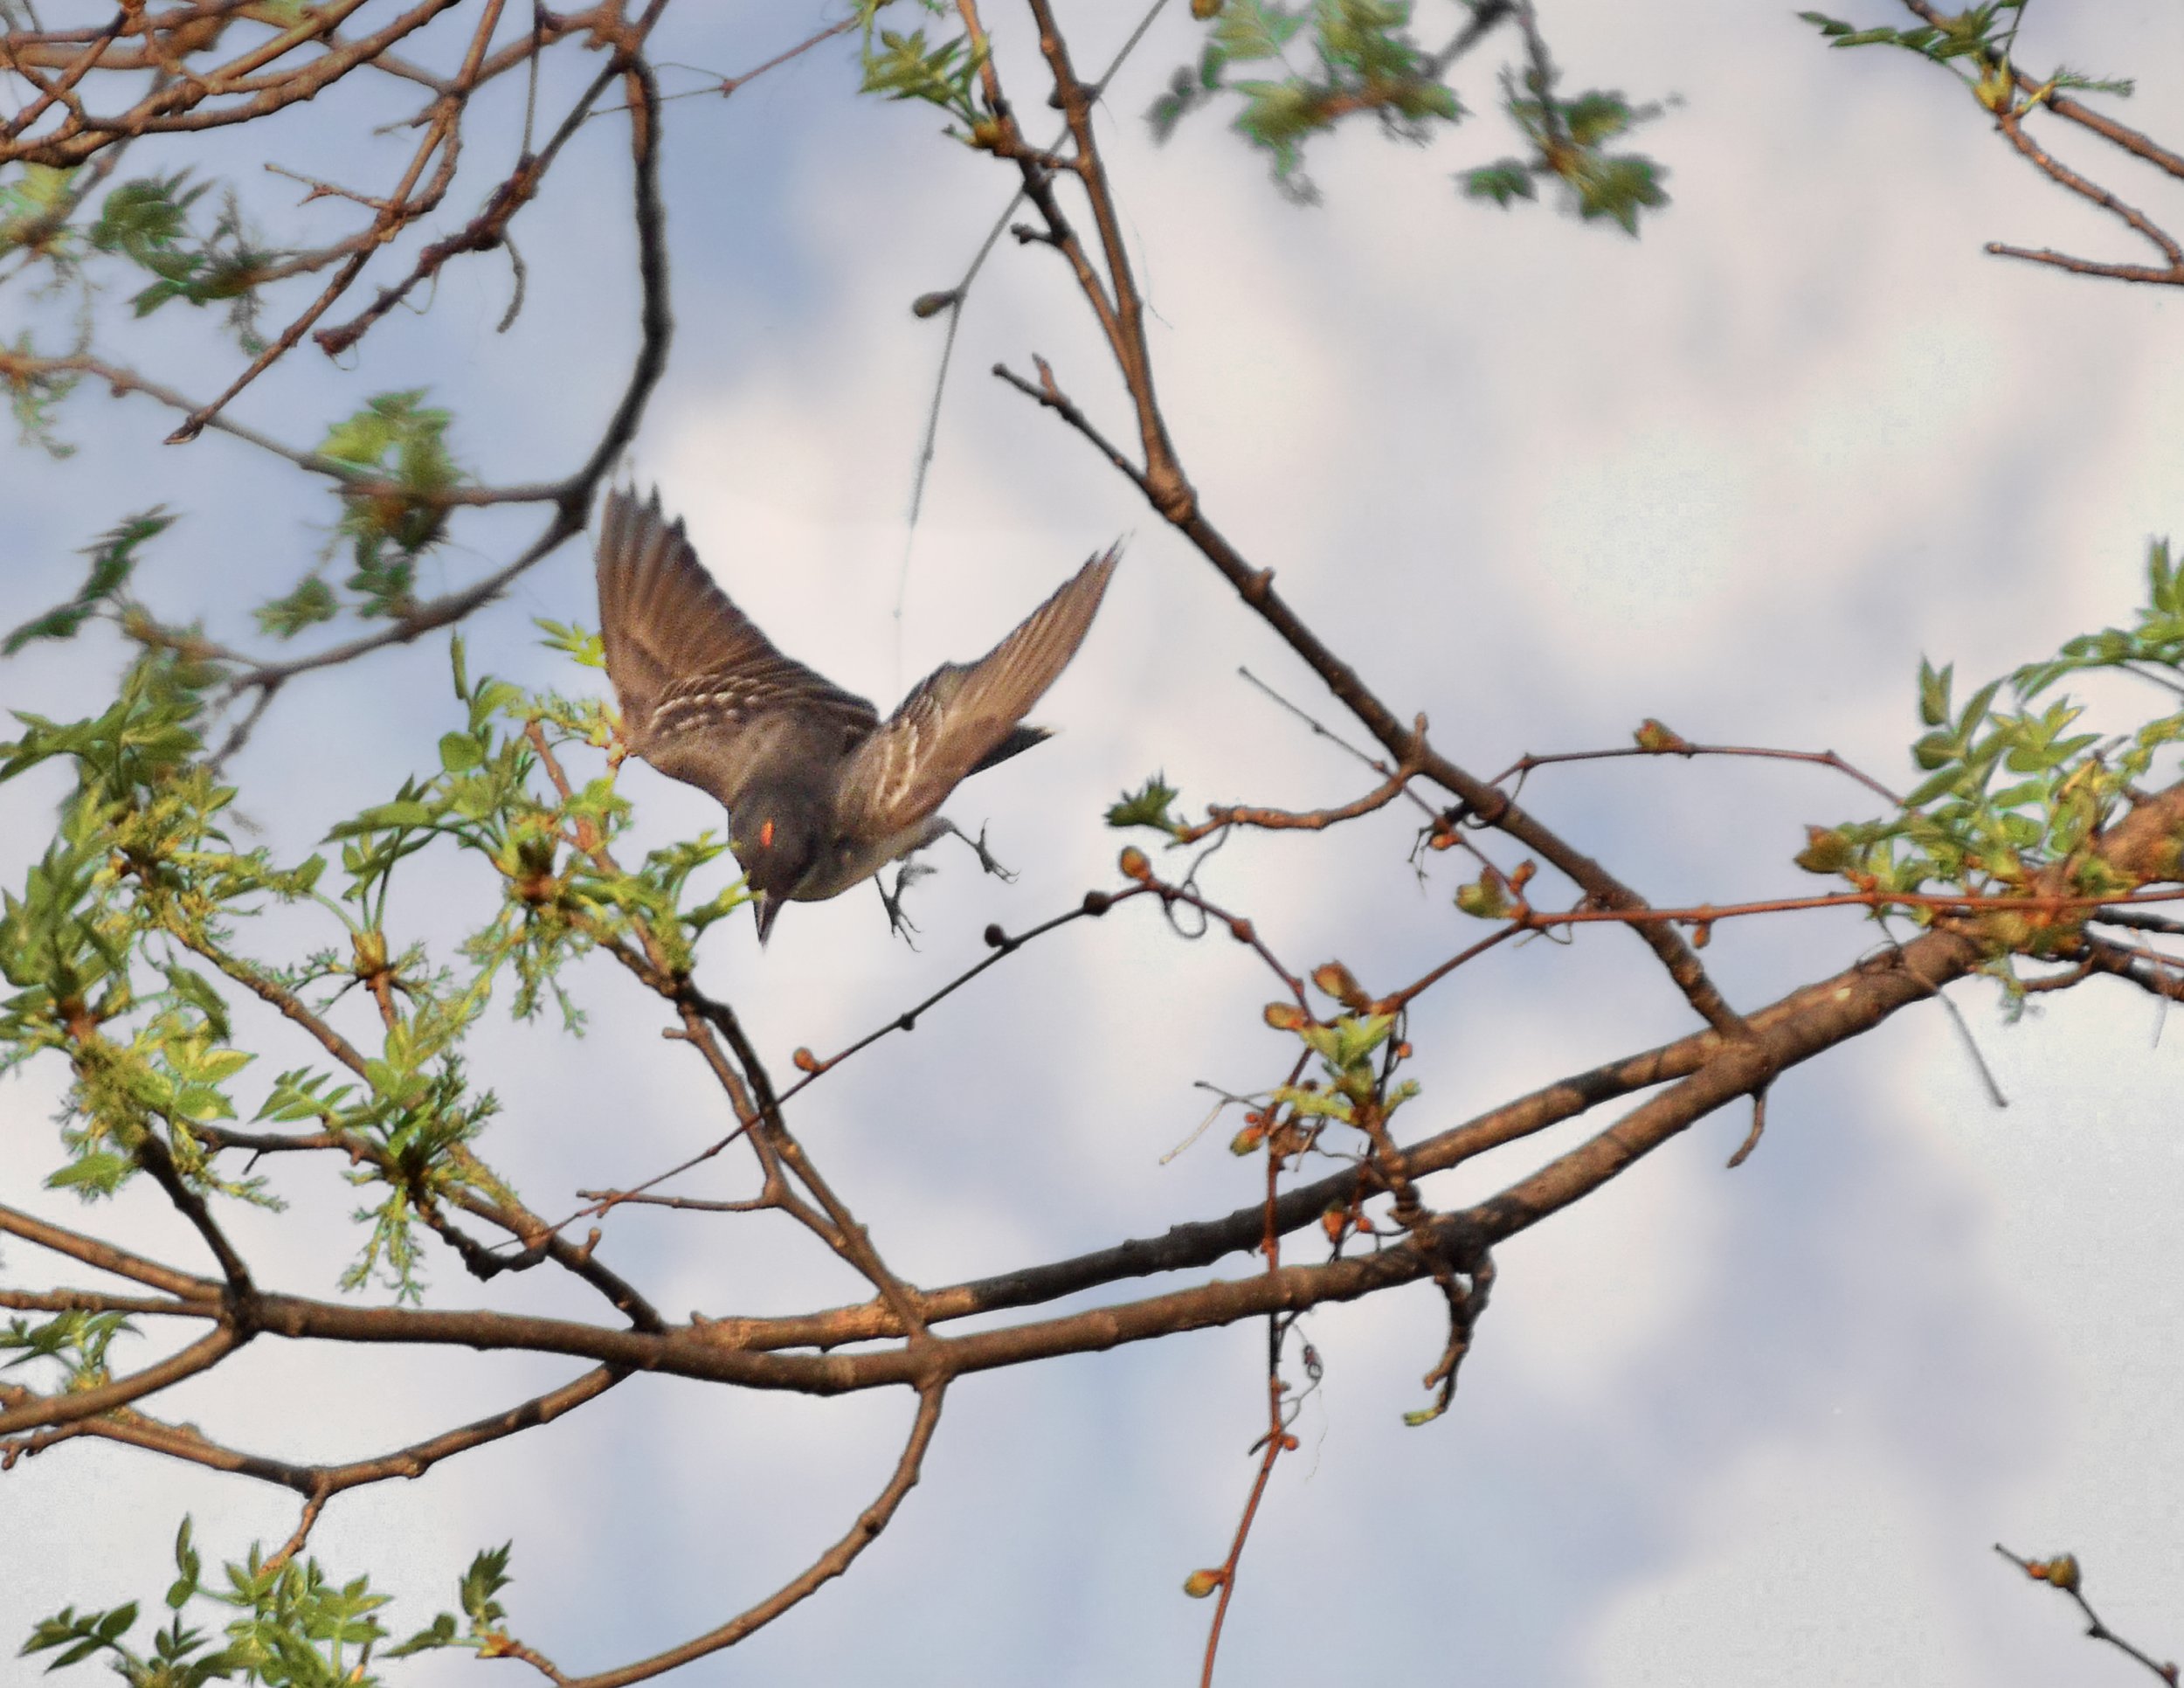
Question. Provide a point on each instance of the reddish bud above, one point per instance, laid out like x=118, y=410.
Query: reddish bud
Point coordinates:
x=1336, y=980
x=1289, y=1444
x=1135, y=866
x=1199, y=1584
x=1403, y=1050
x=805, y=1061
x=1246, y=1141
x=1654, y=736
x=1334, y=1222
x=1286, y=1017
x=1241, y=931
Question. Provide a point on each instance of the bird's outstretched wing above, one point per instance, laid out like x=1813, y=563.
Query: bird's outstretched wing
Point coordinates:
x=960, y=717
x=693, y=672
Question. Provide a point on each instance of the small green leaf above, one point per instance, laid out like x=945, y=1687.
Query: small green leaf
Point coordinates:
x=1147, y=806
x=311, y=603
x=1503, y=182
x=459, y=752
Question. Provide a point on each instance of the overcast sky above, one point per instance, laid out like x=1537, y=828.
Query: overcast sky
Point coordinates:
x=1539, y=482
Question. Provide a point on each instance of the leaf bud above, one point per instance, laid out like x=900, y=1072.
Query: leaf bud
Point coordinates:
x=1097, y=903
x=995, y=937
x=1285, y=1016
x=932, y=304
x=1335, y=1222
x=370, y=948
x=1336, y=980
x=1199, y=1584
x=1135, y=866
x=1652, y=736
x=2062, y=1572
x=1204, y=9
x=1827, y=851
x=1482, y=899
x=805, y=1061
x=1243, y=931
x=1247, y=1140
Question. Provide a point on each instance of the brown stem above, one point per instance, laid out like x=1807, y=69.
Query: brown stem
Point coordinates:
x=831, y=1564
x=200, y=1356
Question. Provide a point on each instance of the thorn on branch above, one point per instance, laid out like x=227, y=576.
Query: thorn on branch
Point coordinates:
x=1759, y=1126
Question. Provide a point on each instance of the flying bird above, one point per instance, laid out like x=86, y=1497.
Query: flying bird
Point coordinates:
x=820, y=792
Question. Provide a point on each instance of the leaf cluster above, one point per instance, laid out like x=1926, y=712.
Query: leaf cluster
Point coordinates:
x=293, y=1626
x=1363, y=58
x=1151, y=804
x=1569, y=145
x=113, y=559
x=1975, y=43
x=903, y=64
x=122, y=942
x=76, y=1340
x=1354, y=1090
x=392, y=513
x=148, y=223
x=2015, y=800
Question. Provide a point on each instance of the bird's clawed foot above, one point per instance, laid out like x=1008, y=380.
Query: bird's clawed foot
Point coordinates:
x=908, y=874
x=984, y=856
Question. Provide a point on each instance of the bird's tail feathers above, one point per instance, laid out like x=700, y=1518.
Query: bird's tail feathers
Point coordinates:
x=1020, y=740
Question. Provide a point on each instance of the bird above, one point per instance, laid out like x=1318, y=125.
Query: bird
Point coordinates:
x=821, y=794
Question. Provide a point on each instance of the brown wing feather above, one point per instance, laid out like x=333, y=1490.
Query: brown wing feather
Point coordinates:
x=960, y=715
x=693, y=672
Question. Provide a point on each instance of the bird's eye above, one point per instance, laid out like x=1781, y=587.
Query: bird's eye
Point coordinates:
x=765, y=835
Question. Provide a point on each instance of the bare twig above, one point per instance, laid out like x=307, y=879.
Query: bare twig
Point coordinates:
x=2062, y=1572
x=831, y=1564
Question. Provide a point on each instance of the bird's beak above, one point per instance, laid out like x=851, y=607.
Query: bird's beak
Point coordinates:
x=768, y=909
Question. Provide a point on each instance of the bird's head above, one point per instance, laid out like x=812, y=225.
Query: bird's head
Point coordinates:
x=776, y=836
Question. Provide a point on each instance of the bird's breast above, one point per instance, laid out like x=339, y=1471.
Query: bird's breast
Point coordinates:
x=855, y=860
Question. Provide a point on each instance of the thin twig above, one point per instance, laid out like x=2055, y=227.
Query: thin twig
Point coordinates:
x=2062, y=1572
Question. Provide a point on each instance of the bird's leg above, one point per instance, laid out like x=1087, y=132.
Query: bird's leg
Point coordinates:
x=984, y=856
x=908, y=874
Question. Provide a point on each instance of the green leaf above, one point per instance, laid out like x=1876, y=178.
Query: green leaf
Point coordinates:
x=387, y=816
x=197, y=990
x=1147, y=806
x=904, y=67
x=311, y=603
x=1503, y=182
x=572, y=642
x=459, y=752
x=487, y=1575
x=1254, y=29
x=113, y=560
x=1933, y=692
x=188, y=1567
x=440, y=1634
